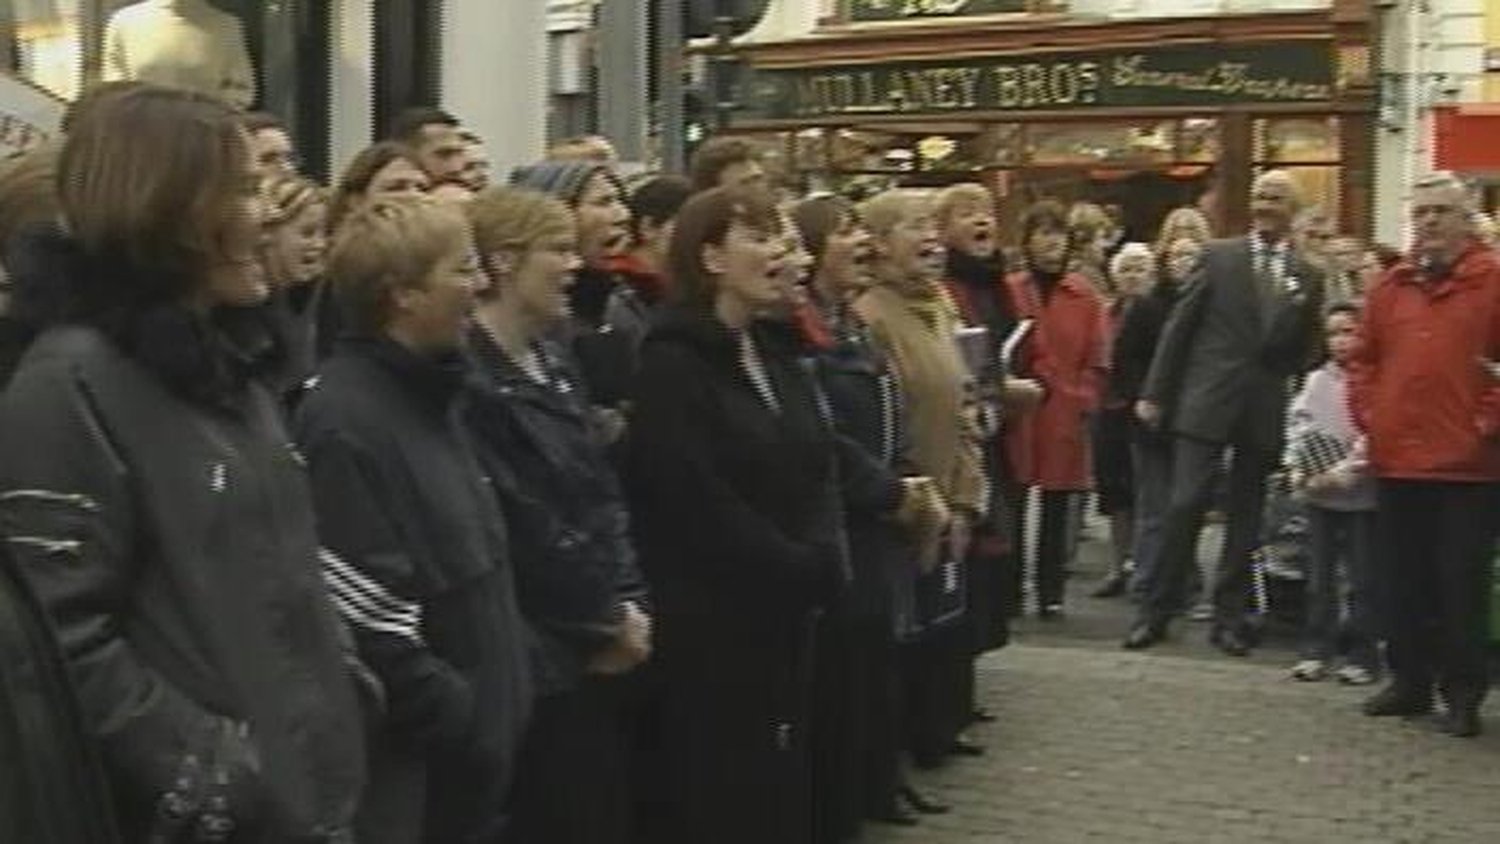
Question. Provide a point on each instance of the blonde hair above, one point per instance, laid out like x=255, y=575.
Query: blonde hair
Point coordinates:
x=284, y=197
x=1087, y=217
x=953, y=196
x=1132, y=250
x=1183, y=222
x=884, y=211
x=513, y=220
x=392, y=243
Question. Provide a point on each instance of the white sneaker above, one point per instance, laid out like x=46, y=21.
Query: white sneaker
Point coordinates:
x=1355, y=675
x=1309, y=671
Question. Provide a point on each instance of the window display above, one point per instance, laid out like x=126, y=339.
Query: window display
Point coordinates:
x=182, y=43
x=64, y=46
x=268, y=55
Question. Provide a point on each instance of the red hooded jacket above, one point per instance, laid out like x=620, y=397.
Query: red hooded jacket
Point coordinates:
x=1418, y=384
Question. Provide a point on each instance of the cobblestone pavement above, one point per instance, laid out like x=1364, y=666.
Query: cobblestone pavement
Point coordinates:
x=1093, y=743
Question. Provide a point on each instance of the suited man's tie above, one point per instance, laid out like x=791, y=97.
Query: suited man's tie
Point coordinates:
x=1266, y=284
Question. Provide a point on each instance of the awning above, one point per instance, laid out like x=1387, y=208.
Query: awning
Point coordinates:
x=1466, y=137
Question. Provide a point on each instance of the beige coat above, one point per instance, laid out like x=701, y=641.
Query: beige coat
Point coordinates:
x=917, y=332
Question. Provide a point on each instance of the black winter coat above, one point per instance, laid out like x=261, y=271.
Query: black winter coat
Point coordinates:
x=740, y=526
x=419, y=569
x=1135, y=344
x=157, y=507
x=569, y=530
x=52, y=789
x=869, y=415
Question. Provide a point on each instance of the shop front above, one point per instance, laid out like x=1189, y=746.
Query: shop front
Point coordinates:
x=1146, y=115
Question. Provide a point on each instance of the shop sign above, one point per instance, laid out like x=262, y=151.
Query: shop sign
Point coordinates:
x=28, y=115
x=1186, y=75
x=892, y=10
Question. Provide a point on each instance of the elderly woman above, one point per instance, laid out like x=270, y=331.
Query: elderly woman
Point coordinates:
x=1133, y=270
x=975, y=280
x=734, y=490
x=153, y=500
x=914, y=323
x=576, y=570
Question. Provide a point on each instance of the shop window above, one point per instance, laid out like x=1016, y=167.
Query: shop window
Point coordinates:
x=268, y=55
x=1079, y=143
x=1297, y=140
x=1198, y=140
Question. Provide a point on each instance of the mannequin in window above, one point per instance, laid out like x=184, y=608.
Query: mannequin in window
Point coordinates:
x=183, y=43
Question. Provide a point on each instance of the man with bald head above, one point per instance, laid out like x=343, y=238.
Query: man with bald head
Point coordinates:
x=1247, y=321
x=1425, y=391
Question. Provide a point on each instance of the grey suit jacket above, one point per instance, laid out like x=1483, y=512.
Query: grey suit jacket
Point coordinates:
x=1221, y=368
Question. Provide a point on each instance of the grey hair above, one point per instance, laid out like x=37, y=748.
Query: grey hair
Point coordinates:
x=1446, y=180
x=1133, y=249
x=1311, y=216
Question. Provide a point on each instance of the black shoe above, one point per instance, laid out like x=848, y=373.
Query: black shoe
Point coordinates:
x=894, y=815
x=921, y=802
x=1050, y=612
x=1144, y=635
x=1112, y=586
x=1229, y=640
x=1398, y=701
x=1460, y=723
x=965, y=747
x=980, y=715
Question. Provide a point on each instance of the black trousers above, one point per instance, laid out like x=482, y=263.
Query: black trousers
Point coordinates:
x=1054, y=544
x=1437, y=545
x=1343, y=547
x=853, y=737
x=1195, y=465
x=572, y=785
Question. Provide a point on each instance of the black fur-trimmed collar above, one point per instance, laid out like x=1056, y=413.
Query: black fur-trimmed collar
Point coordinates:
x=207, y=358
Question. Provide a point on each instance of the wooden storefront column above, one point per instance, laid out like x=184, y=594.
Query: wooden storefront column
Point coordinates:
x=1357, y=182
x=1234, y=173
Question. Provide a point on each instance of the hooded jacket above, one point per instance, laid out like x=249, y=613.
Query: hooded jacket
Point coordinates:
x=155, y=503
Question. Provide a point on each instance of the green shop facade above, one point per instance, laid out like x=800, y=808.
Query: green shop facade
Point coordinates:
x=1146, y=115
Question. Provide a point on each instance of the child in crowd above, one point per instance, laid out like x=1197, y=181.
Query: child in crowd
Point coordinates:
x=1329, y=469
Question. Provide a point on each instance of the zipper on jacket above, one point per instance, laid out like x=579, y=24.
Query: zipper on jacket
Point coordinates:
x=72, y=547
x=74, y=499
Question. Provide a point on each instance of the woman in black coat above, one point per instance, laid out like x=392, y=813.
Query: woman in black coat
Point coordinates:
x=576, y=573
x=153, y=500
x=857, y=715
x=734, y=489
x=417, y=556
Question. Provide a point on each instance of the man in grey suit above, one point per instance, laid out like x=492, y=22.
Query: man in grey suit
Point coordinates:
x=1246, y=323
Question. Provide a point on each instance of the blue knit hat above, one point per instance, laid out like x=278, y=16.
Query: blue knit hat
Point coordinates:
x=564, y=180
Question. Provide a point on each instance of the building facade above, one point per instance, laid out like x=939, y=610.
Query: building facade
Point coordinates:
x=1144, y=105
x=1441, y=78
x=336, y=70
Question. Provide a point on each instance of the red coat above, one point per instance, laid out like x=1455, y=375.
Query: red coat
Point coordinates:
x=1068, y=353
x=1429, y=409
